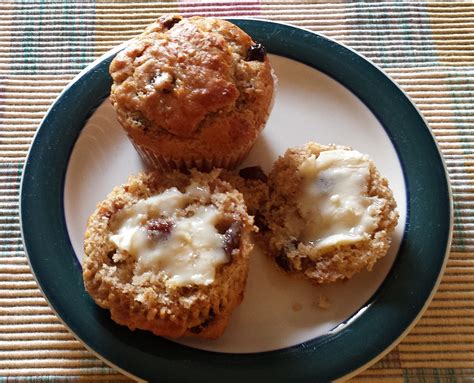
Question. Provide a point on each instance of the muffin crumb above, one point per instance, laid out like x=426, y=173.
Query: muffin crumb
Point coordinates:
x=323, y=302
x=296, y=307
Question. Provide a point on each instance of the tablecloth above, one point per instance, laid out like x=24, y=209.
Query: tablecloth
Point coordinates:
x=426, y=47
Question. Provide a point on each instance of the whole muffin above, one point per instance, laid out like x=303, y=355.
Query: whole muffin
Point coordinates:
x=192, y=92
x=168, y=253
x=330, y=213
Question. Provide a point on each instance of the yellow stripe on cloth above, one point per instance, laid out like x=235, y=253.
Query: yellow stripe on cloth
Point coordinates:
x=453, y=32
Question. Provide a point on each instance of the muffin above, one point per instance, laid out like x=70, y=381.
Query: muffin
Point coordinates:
x=330, y=213
x=192, y=92
x=168, y=252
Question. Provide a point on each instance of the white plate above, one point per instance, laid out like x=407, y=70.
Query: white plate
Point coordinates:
x=281, y=311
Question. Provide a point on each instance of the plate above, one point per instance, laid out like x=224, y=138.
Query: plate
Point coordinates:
x=326, y=93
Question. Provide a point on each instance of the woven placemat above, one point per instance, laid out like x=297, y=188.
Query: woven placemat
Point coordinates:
x=427, y=48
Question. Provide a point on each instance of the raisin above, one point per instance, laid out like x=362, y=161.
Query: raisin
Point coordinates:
x=197, y=329
x=159, y=228
x=261, y=222
x=232, y=237
x=253, y=173
x=282, y=260
x=170, y=22
x=210, y=317
x=256, y=52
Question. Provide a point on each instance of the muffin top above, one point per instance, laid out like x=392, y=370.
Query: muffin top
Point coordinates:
x=181, y=72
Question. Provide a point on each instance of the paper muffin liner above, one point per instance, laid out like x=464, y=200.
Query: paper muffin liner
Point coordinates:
x=160, y=162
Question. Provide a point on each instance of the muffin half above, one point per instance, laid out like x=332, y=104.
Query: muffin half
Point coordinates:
x=168, y=253
x=192, y=92
x=330, y=213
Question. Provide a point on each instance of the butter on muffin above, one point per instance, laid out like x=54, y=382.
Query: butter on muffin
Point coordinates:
x=330, y=213
x=168, y=253
x=192, y=92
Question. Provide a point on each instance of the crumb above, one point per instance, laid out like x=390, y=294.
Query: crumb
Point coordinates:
x=297, y=307
x=322, y=302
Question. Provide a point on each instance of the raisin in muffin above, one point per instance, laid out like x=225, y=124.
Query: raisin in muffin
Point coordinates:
x=168, y=253
x=192, y=92
x=252, y=183
x=330, y=213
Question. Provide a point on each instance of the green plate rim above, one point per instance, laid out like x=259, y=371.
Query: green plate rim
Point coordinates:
x=370, y=333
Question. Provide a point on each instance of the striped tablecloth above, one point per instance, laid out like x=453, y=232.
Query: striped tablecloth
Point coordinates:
x=426, y=47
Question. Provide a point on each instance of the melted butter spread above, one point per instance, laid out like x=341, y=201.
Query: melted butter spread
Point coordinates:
x=334, y=201
x=188, y=254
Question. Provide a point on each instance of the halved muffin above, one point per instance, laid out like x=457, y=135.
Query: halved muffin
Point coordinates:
x=330, y=213
x=168, y=253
